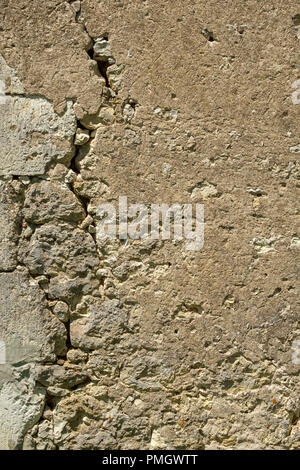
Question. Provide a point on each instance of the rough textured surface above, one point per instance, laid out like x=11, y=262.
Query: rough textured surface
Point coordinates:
x=144, y=345
x=32, y=135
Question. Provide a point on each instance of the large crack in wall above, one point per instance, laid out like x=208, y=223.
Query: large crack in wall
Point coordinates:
x=140, y=344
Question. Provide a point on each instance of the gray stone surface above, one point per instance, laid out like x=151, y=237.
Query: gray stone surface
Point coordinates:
x=8, y=76
x=10, y=224
x=32, y=135
x=51, y=201
x=104, y=324
x=21, y=406
x=25, y=319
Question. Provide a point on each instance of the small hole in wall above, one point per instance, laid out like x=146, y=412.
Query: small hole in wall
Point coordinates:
x=81, y=126
x=294, y=420
x=209, y=35
x=176, y=331
x=50, y=402
x=275, y=292
x=296, y=19
x=91, y=52
x=102, y=66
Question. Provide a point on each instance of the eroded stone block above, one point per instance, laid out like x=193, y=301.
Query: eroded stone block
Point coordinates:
x=10, y=223
x=104, y=324
x=32, y=135
x=48, y=201
x=21, y=405
x=26, y=322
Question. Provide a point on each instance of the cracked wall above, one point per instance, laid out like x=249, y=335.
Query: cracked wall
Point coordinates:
x=140, y=344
